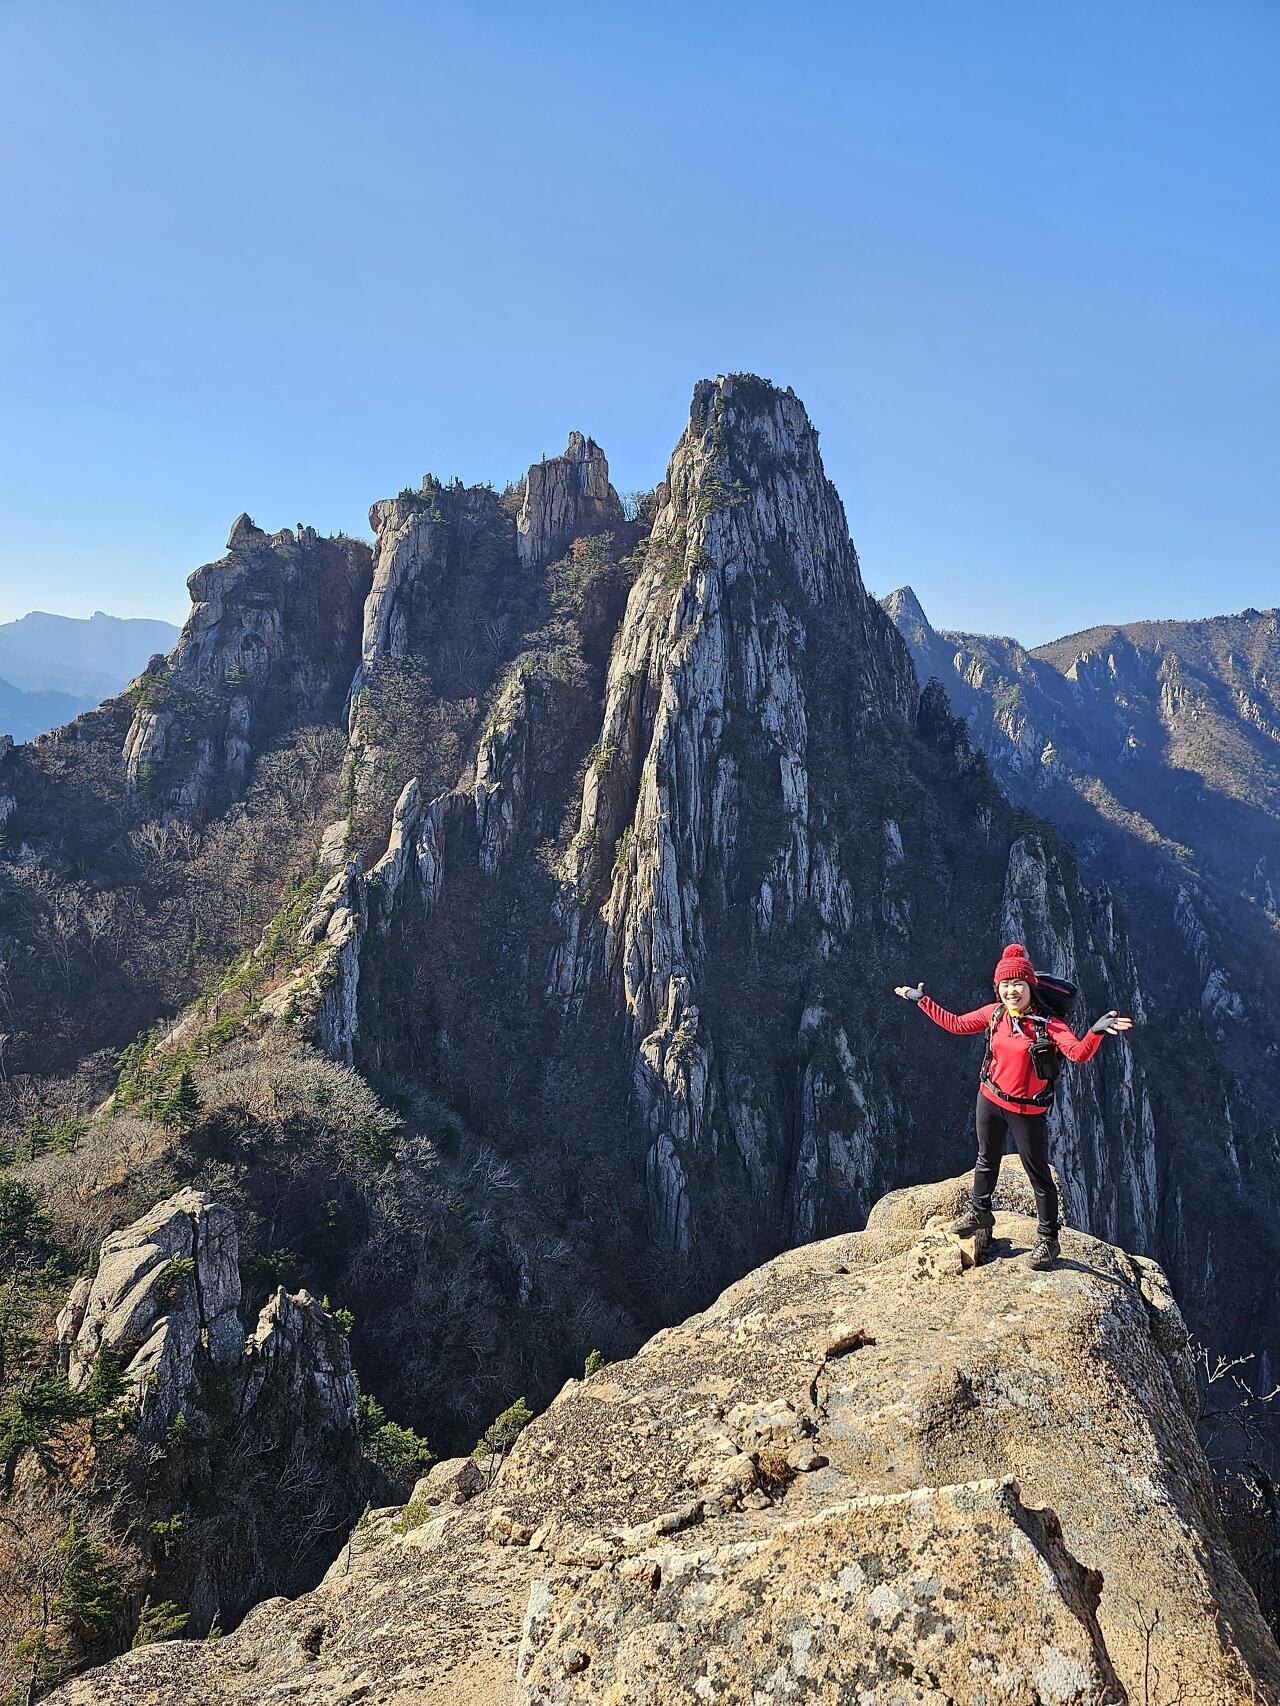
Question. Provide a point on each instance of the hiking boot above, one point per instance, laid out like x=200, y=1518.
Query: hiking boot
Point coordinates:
x=971, y=1220
x=1045, y=1251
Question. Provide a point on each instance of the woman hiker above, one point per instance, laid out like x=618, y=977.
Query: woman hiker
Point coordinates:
x=1013, y=1097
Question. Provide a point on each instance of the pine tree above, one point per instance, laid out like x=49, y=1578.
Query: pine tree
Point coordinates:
x=501, y=1435
x=105, y=1385
x=90, y=1596
x=159, y=1622
x=35, y=1419
x=184, y=1104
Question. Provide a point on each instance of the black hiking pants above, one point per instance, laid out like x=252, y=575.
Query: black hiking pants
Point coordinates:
x=1031, y=1141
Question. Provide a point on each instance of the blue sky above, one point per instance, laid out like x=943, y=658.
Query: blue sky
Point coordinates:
x=1019, y=260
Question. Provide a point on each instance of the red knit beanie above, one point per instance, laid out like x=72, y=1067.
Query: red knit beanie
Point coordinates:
x=1014, y=963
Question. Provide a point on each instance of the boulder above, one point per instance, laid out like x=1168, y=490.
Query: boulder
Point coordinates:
x=452, y=1481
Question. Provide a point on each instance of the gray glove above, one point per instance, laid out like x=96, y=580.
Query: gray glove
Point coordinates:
x=1106, y=1025
x=910, y=993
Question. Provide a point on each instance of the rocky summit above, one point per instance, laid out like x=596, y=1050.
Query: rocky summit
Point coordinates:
x=871, y=1471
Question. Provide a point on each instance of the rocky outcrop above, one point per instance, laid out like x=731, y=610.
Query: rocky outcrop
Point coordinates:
x=321, y=999
x=271, y=641
x=906, y=613
x=411, y=545
x=722, y=822
x=452, y=1482
x=565, y=497
x=756, y=812
x=280, y=602
x=299, y=1355
x=165, y=1301
x=165, y=1296
x=855, y=1472
x=445, y=545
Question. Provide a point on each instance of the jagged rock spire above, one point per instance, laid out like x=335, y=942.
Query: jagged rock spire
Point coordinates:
x=905, y=611
x=748, y=644
x=565, y=498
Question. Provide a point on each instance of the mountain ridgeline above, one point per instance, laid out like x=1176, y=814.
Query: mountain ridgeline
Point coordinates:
x=89, y=657
x=591, y=838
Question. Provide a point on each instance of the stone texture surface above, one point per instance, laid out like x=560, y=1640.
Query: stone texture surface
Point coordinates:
x=452, y=1481
x=166, y=1299
x=847, y=1480
x=166, y=1292
x=960, y=1588
x=565, y=497
x=273, y=634
x=298, y=1353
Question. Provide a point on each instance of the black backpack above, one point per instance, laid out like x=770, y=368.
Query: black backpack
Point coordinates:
x=1055, y=995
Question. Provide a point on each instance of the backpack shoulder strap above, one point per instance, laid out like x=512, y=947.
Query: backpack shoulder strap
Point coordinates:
x=991, y=1032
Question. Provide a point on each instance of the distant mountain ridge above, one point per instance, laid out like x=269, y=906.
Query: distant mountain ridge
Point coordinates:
x=25, y=715
x=87, y=657
x=1171, y=727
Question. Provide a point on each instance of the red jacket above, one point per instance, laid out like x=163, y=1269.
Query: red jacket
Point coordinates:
x=1011, y=1049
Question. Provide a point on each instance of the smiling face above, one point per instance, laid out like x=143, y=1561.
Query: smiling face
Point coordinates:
x=1015, y=992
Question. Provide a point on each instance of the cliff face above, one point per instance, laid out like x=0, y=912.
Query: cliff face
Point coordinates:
x=565, y=498
x=765, y=822
x=1155, y=738
x=718, y=818
x=269, y=645
x=865, y=1467
x=1156, y=746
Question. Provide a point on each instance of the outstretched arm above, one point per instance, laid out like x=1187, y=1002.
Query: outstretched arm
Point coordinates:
x=959, y=1024
x=1085, y=1047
